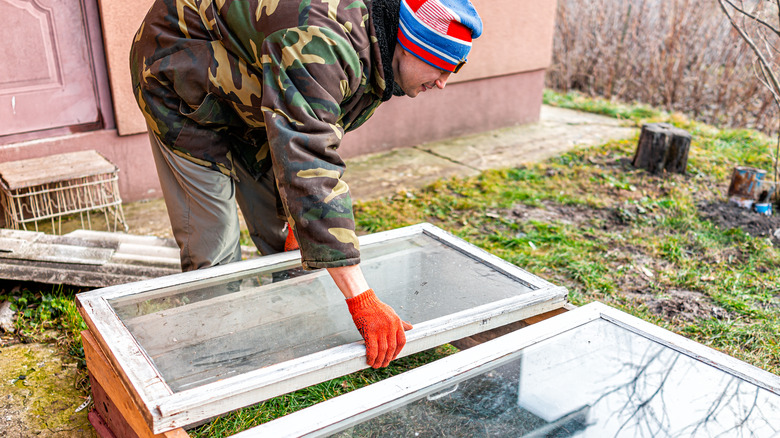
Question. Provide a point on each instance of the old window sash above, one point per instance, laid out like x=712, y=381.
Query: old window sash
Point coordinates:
x=165, y=409
x=348, y=410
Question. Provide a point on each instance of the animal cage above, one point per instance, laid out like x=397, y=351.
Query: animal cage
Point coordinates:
x=49, y=188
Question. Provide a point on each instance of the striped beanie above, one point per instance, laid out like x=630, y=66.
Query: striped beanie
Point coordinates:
x=439, y=31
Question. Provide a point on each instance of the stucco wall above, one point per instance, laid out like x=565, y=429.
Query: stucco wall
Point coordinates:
x=120, y=20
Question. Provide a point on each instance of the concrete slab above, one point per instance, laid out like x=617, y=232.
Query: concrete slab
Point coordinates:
x=383, y=174
x=558, y=131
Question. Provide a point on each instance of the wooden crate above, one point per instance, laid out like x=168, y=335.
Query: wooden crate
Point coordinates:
x=49, y=188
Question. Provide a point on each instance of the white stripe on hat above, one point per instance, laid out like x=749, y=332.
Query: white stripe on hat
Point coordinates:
x=443, y=35
x=428, y=47
x=434, y=14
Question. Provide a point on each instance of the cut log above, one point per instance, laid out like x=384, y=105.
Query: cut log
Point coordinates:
x=662, y=148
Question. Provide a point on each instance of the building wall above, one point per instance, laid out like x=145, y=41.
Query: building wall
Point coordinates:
x=500, y=86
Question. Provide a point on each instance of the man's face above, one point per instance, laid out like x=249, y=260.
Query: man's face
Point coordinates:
x=414, y=75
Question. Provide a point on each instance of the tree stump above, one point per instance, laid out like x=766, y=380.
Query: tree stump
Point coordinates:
x=662, y=147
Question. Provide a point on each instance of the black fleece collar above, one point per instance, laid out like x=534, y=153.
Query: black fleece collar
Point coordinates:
x=385, y=15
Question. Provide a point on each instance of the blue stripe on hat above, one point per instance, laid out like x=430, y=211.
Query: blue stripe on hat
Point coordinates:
x=431, y=48
x=424, y=54
x=451, y=49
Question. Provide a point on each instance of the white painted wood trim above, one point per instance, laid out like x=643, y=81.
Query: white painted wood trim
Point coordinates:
x=166, y=410
x=248, y=266
x=200, y=403
x=693, y=349
x=347, y=410
x=127, y=357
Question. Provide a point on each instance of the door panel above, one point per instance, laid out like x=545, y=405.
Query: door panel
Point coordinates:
x=46, y=71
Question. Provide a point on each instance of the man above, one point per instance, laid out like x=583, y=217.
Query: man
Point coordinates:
x=248, y=100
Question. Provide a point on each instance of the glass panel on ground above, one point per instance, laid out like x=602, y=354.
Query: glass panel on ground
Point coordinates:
x=205, y=331
x=597, y=380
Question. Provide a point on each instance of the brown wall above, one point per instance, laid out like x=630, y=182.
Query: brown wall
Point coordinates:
x=500, y=86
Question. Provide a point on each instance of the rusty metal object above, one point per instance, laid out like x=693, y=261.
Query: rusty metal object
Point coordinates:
x=746, y=183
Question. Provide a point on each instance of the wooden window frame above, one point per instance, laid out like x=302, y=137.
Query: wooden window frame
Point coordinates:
x=350, y=409
x=164, y=409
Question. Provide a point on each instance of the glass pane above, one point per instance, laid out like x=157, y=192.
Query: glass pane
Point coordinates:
x=204, y=331
x=597, y=380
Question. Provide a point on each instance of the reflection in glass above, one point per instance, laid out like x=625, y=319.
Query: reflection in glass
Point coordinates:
x=597, y=380
x=208, y=330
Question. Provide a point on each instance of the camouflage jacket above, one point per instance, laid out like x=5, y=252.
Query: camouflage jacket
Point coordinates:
x=275, y=84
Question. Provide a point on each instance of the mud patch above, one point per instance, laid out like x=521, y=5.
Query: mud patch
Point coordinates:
x=684, y=305
x=726, y=216
x=551, y=212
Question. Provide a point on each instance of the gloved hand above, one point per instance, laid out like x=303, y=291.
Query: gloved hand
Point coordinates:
x=290, y=244
x=380, y=326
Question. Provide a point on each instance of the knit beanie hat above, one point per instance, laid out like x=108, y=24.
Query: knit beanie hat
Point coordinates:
x=439, y=31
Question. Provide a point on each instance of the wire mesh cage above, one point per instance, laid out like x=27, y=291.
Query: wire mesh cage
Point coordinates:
x=50, y=188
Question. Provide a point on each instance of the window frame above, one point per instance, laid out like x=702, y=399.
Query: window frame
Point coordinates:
x=164, y=409
x=350, y=409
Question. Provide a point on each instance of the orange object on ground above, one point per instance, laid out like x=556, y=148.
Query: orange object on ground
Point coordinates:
x=380, y=326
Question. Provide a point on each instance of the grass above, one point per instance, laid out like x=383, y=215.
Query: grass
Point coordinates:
x=588, y=221
x=50, y=317
x=46, y=316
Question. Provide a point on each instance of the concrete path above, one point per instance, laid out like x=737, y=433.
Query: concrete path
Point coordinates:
x=557, y=131
x=384, y=174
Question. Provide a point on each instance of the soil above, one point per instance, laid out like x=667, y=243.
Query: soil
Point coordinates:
x=565, y=214
x=636, y=272
x=731, y=216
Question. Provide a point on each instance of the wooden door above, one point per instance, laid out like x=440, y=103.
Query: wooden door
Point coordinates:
x=47, y=77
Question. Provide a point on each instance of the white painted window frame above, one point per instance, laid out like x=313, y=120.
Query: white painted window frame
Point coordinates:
x=165, y=409
x=350, y=409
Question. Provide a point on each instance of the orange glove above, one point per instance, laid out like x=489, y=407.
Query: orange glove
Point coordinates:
x=380, y=327
x=290, y=244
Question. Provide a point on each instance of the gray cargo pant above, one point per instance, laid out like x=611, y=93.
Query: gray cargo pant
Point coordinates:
x=201, y=205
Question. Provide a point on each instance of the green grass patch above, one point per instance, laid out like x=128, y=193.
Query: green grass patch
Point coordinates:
x=47, y=316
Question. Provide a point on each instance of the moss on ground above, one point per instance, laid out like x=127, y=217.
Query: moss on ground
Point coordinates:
x=38, y=396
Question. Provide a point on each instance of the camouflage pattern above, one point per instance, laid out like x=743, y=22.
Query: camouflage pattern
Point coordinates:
x=273, y=83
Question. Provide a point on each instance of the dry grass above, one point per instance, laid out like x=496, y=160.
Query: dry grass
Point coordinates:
x=681, y=55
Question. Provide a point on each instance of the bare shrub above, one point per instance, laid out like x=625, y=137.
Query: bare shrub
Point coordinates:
x=681, y=55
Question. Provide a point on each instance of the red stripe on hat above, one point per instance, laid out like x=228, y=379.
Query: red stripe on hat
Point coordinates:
x=459, y=31
x=415, y=4
x=424, y=54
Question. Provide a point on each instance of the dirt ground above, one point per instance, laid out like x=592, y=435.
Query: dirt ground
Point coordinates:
x=729, y=215
x=637, y=271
